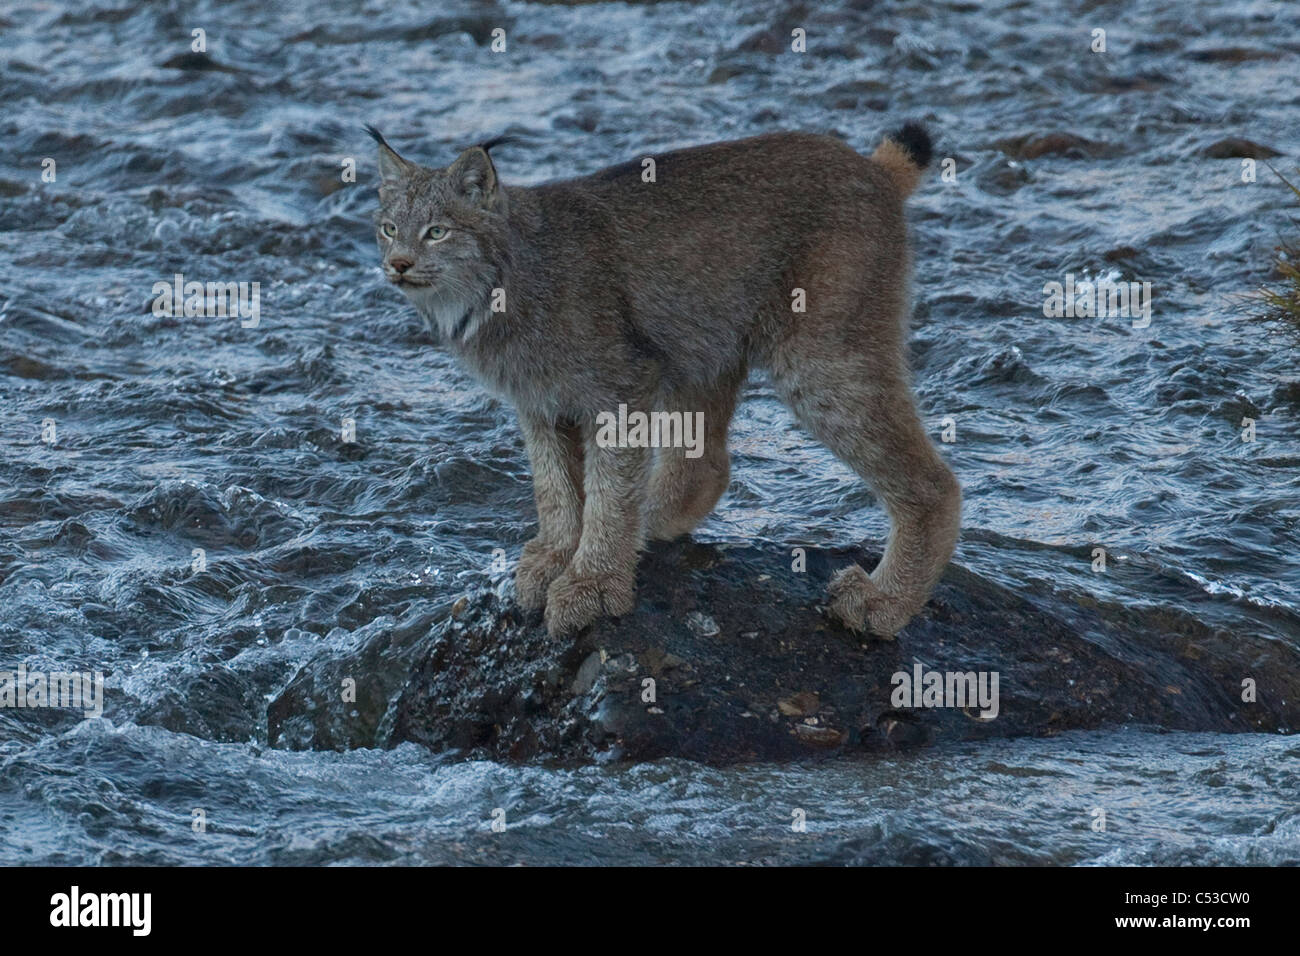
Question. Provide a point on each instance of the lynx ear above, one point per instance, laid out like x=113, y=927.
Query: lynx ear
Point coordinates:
x=474, y=176
x=391, y=166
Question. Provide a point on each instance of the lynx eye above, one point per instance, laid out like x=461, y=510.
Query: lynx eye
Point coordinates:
x=388, y=229
x=436, y=233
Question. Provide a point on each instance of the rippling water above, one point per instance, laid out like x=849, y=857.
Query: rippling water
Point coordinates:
x=176, y=434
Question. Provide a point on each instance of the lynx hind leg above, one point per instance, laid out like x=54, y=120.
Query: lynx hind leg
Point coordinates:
x=860, y=406
x=684, y=490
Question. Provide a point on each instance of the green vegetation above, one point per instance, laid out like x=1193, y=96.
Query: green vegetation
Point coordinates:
x=1281, y=297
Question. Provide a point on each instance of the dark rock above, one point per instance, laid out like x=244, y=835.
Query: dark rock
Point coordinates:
x=217, y=703
x=1231, y=54
x=1234, y=409
x=819, y=736
x=725, y=72
x=1129, y=84
x=339, y=700
x=1234, y=147
x=777, y=680
x=1032, y=146
x=1002, y=177
x=197, y=63
x=478, y=27
x=1286, y=393
x=799, y=705
x=771, y=40
x=1157, y=45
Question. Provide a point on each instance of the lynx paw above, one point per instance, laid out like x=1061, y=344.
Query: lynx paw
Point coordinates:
x=573, y=601
x=539, y=565
x=860, y=605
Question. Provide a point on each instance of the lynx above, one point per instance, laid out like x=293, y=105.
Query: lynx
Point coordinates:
x=784, y=252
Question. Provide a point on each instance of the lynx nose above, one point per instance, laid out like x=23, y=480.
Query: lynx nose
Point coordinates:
x=399, y=265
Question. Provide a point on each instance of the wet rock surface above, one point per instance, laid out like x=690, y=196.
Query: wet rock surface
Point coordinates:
x=1035, y=146
x=1235, y=147
x=729, y=657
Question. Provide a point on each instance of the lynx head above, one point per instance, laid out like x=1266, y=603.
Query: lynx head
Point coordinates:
x=442, y=236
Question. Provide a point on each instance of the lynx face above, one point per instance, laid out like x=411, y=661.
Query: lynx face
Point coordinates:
x=441, y=235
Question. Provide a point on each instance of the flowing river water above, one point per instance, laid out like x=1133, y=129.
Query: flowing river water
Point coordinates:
x=136, y=444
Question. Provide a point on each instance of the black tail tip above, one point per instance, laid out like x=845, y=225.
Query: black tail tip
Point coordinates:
x=375, y=135
x=915, y=141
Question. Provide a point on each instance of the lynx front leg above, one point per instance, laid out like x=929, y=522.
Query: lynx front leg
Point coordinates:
x=555, y=452
x=601, y=578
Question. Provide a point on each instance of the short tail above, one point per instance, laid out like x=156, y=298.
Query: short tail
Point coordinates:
x=905, y=155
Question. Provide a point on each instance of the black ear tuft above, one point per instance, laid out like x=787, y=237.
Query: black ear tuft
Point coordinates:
x=392, y=167
x=506, y=139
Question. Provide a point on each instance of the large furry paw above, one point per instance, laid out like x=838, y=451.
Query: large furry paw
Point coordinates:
x=668, y=527
x=574, y=601
x=860, y=604
x=539, y=565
